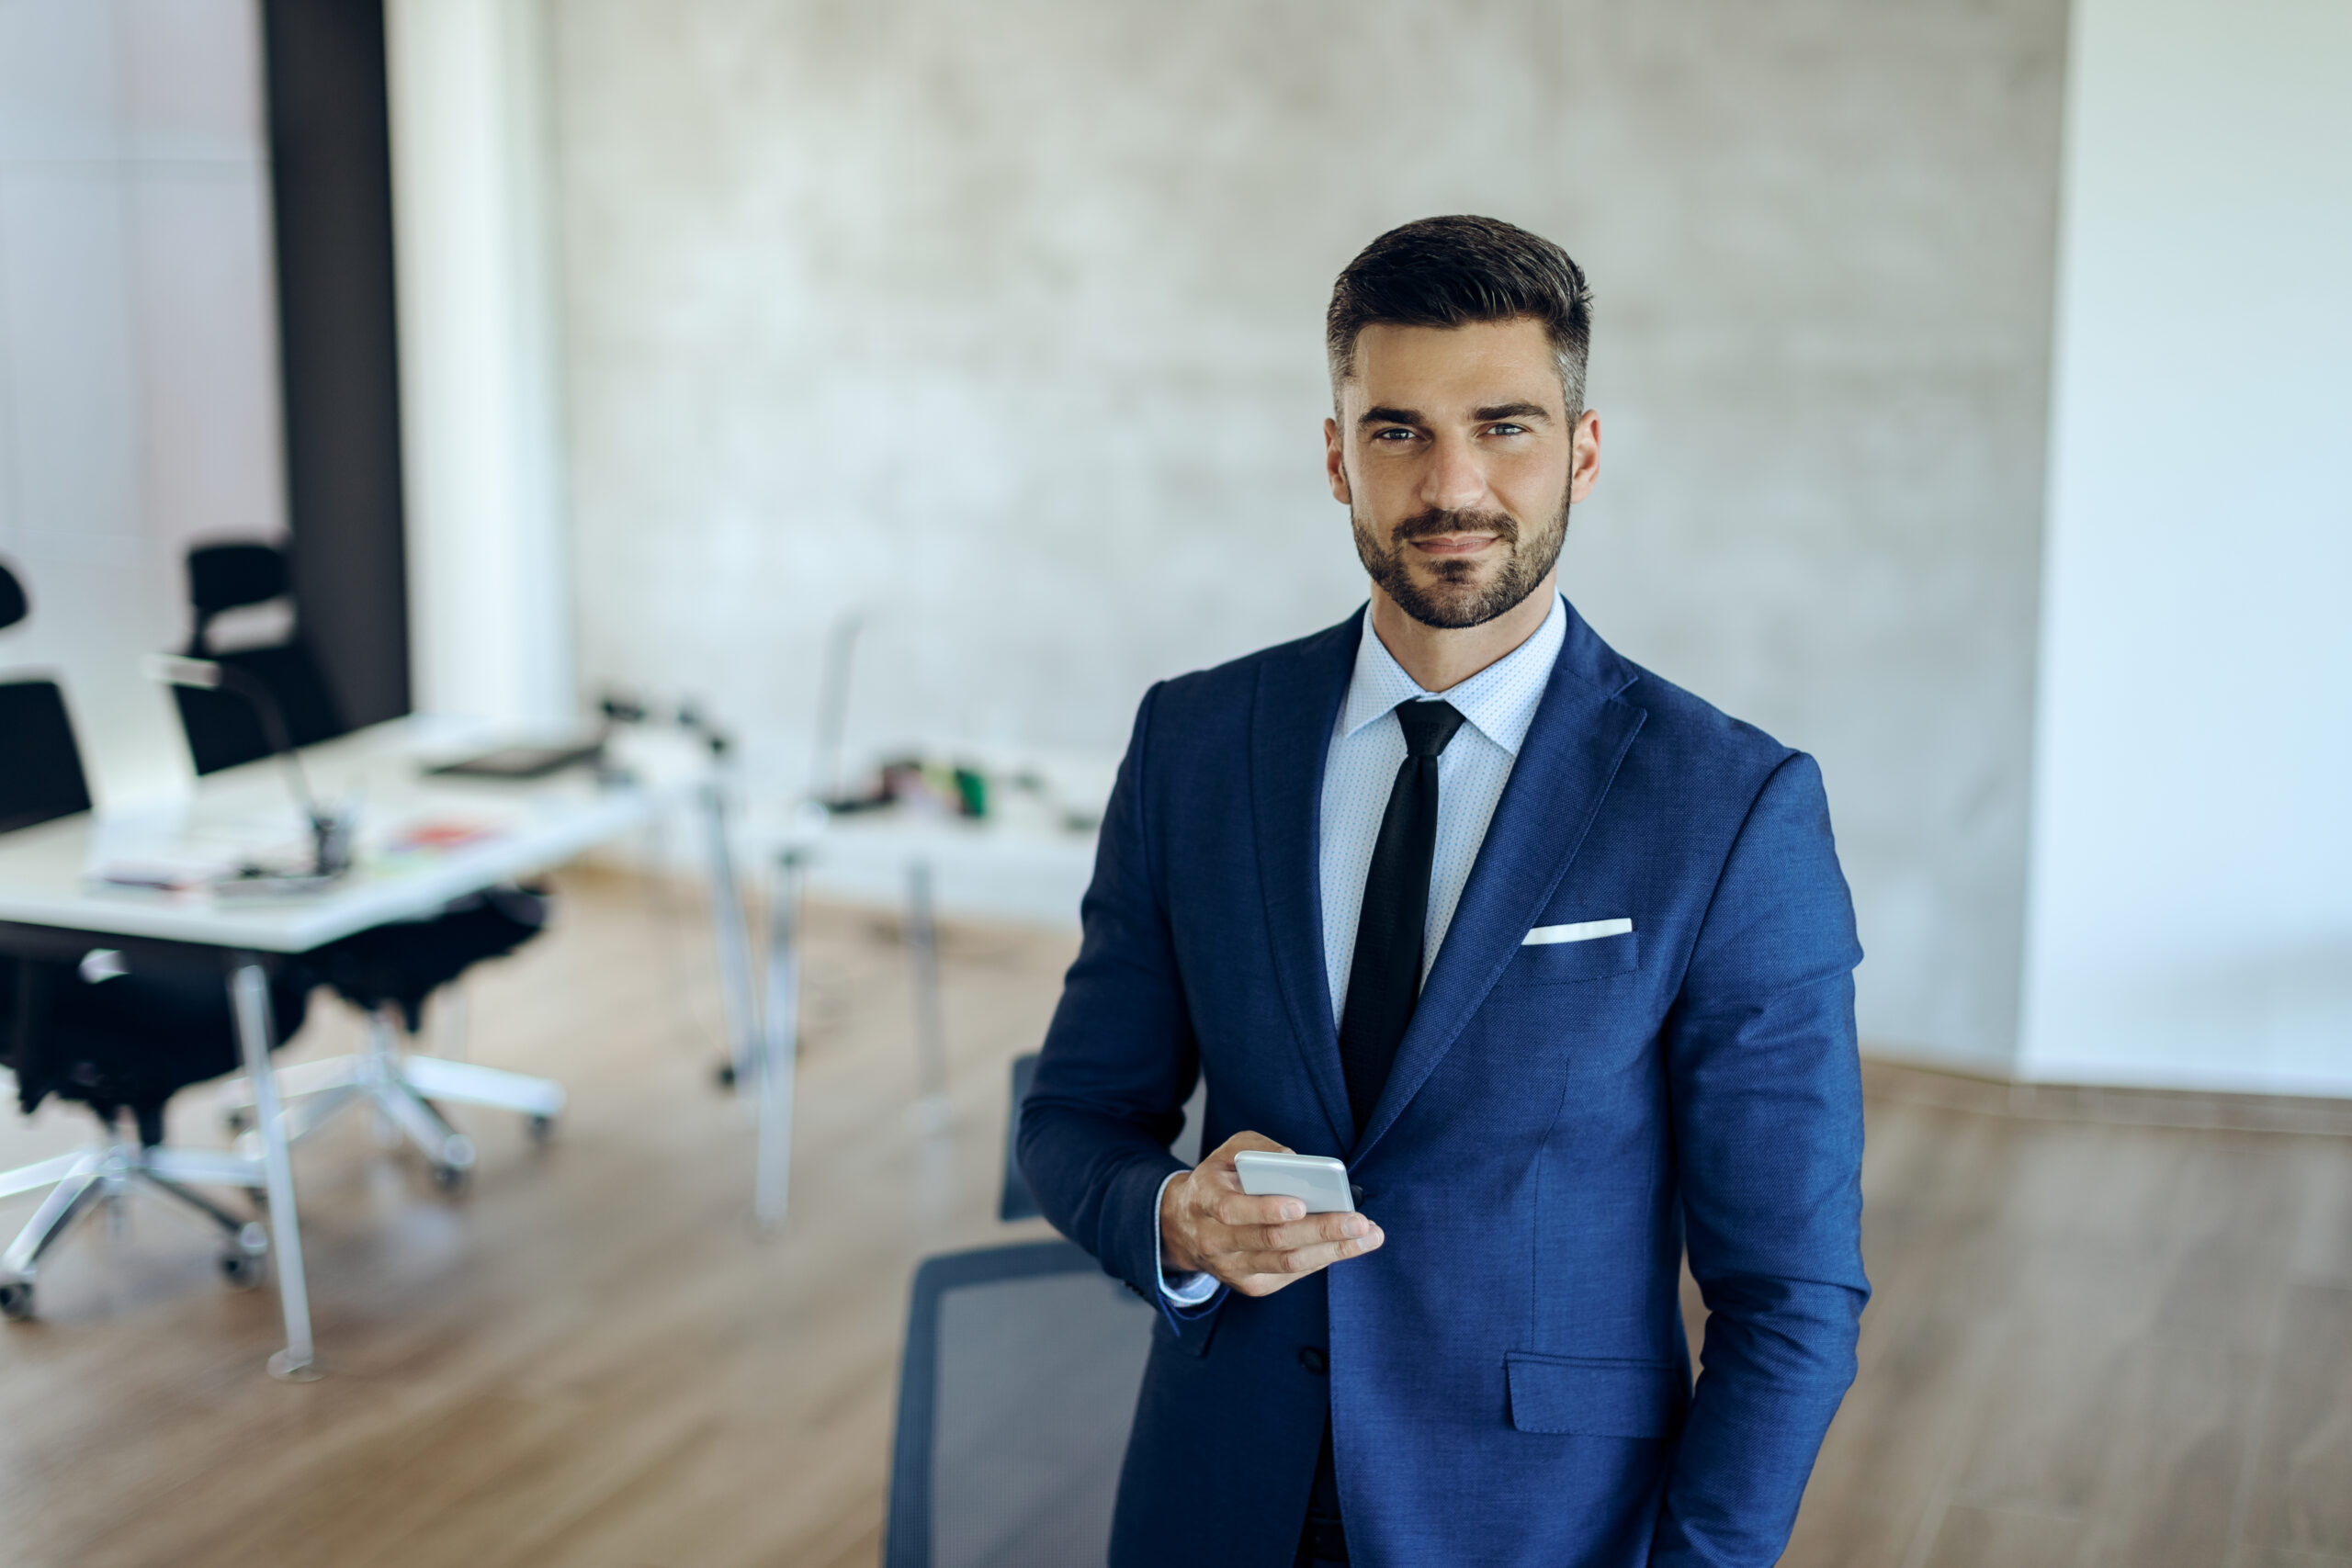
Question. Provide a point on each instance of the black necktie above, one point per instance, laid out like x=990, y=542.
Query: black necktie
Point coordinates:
x=1386, y=979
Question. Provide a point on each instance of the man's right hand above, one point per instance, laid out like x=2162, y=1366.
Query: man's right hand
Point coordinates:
x=1255, y=1245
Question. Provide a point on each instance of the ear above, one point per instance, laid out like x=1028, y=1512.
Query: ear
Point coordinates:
x=1335, y=463
x=1584, y=457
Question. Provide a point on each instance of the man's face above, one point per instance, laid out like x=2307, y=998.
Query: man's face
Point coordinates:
x=1457, y=458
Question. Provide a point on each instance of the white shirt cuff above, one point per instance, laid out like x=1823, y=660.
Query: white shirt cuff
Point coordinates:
x=1182, y=1290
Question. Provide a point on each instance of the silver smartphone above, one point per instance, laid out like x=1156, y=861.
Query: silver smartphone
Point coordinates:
x=1317, y=1180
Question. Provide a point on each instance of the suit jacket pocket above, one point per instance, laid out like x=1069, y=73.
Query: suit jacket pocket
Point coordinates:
x=1564, y=963
x=1592, y=1398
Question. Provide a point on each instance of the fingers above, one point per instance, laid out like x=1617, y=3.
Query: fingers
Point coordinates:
x=1314, y=1230
x=1238, y=1207
x=1300, y=1261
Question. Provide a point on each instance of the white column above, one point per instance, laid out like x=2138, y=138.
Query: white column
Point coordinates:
x=488, y=559
x=2190, y=917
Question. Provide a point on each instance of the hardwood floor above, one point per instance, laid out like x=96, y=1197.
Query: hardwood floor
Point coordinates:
x=2091, y=1344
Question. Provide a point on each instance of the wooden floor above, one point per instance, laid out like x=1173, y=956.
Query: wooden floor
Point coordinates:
x=2091, y=1344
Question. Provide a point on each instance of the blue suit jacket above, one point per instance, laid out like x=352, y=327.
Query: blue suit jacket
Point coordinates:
x=1507, y=1377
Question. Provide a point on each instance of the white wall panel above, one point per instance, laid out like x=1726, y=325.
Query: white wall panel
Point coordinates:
x=212, y=464
x=72, y=362
x=488, y=551
x=190, y=75
x=60, y=77
x=2192, y=912
x=138, y=366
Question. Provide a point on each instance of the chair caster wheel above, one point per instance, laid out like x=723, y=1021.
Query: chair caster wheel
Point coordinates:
x=17, y=1301
x=724, y=1074
x=453, y=1179
x=243, y=1270
x=542, y=1130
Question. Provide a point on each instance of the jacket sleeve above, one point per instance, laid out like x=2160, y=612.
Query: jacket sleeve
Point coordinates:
x=1119, y=1058
x=1765, y=1084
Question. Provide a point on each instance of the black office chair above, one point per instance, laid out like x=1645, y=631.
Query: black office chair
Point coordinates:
x=1014, y=1200
x=222, y=728
x=121, y=1035
x=1015, y=1395
x=388, y=972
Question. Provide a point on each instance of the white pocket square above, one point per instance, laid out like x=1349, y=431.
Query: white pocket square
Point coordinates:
x=1583, y=930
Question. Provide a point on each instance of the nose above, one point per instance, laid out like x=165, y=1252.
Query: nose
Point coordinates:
x=1453, y=481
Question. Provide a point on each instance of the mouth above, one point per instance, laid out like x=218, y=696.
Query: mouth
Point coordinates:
x=1448, y=545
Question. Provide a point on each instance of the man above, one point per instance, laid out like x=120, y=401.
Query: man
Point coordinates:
x=1554, y=955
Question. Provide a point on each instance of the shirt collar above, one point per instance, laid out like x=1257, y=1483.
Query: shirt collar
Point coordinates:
x=1499, y=701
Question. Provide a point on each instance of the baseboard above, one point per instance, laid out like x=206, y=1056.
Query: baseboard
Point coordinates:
x=1908, y=1083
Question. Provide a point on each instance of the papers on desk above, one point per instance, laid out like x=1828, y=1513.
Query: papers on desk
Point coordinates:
x=158, y=875
x=254, y=855
x=163, y=849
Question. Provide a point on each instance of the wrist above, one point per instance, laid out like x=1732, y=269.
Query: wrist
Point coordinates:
x=1176, y=1254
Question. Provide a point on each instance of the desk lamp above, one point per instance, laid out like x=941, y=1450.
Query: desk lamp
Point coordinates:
x=330, y=832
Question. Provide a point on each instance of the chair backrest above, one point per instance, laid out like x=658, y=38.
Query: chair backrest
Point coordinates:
x=1014, y=1200
x=40, y=768
x=1015, y=1395
x=222, y=728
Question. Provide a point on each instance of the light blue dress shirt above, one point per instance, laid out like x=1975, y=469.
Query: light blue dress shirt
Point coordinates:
x=1360, y=769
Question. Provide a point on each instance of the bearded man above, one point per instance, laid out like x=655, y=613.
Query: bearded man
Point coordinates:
x=1554, y=955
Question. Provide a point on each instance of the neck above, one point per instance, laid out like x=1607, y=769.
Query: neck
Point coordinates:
x=1439, y=657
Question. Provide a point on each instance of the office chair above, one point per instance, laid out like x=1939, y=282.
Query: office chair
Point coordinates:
x=120, y=1036
x=1015, y=1395
x=222, y=728
x=1014, y=1200
x=387, y=973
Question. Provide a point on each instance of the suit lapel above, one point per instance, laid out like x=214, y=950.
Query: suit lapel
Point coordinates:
x=1299, y=692
x=1580, y=735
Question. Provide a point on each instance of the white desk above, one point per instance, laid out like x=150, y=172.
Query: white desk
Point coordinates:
x=1035, y=870
x=49, y=905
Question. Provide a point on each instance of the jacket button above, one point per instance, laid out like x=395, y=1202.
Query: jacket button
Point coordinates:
x=1359, y=1194
x=1312, y=1359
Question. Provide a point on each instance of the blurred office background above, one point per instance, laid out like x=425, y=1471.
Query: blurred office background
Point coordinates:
x=1969, y=375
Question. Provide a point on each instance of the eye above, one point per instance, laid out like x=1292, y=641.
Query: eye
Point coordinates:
x=1506, y=430
x=1393, y=433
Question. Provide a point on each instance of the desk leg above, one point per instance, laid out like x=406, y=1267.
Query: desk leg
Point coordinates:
x=734, y=940
x=781, y=1016
x=931, y=1029
x=257, y=1033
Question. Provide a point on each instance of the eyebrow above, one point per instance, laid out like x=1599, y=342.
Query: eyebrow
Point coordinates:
x=1484, y=415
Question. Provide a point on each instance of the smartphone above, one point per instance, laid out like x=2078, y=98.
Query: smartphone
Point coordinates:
x=1317, y=1180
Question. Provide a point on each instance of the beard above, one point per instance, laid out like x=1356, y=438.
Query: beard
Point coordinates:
x=1460, y=597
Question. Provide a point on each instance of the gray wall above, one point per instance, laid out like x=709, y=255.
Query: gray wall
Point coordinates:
x=1004, y=322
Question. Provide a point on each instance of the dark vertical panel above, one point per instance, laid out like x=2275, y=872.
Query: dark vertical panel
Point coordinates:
x=330, y=141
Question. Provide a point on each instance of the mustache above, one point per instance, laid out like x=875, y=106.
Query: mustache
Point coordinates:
x=1435, y=522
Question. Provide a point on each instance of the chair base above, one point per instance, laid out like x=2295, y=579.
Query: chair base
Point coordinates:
x=403, y=1087
x=80, y=1182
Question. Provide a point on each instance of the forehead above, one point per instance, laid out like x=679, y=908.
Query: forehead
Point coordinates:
x=1435, y=369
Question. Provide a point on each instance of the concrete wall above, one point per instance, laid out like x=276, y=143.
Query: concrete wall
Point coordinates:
x=2192, y=912
x=138, y=343
x=1004, y=322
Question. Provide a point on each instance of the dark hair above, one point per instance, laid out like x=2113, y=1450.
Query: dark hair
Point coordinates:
x=1447, y=272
